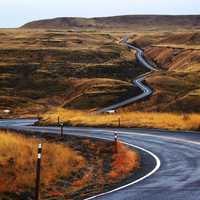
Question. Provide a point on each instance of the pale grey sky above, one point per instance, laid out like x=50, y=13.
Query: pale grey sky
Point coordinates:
x=14, y=13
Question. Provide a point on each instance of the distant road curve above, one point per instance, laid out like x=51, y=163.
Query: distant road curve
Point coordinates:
x=146, y=91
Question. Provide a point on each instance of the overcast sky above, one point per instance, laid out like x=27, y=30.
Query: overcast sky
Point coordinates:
x=14, y=13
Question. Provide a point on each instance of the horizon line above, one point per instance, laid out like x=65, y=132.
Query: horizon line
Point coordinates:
x=96, y=17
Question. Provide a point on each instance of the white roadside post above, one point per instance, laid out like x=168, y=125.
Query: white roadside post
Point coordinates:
x=111, y=111
x=38, y=170
x=116, y=140
x=6, y=111
x=116, y=133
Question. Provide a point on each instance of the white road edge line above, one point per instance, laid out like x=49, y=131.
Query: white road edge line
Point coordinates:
x=158, y=164
x=161, y=137
x=138, y=134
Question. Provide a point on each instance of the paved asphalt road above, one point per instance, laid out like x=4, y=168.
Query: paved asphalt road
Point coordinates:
x=146, y=91
x=178, y=177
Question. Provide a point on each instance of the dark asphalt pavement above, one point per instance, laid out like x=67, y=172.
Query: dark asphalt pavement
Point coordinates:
x=178, y=177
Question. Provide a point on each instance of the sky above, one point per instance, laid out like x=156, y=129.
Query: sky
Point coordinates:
x=14, y=13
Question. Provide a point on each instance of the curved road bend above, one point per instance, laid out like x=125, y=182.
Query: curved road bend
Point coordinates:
x=146, y=91
x=179, y=175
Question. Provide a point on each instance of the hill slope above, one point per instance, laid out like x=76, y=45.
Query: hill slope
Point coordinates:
x=44, y=69
x=177, y=85
x=119, y=22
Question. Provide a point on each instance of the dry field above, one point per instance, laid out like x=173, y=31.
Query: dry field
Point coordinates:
x=72, y=168
x=170, y=121
x=44, y=70
x=41, y=69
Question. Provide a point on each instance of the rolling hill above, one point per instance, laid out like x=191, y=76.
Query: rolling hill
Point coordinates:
x=45, y=69
x=40, y=70
x=176, y=86
x=119, y=22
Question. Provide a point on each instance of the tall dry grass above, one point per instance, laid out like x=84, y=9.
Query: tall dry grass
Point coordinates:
x=170, y=121
x=18, y=156
x=123, y=162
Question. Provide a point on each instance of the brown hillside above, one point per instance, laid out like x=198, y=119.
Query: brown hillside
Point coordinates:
x=118, y=22
x=176, y=87
x=44, y=69
x=40, y=70
x=173, y=58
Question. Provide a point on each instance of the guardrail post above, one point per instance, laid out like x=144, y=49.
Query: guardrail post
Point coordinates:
x=61, y=129
x=58, y=120
x=119, y=122
x=38, y=170
x=115, y=142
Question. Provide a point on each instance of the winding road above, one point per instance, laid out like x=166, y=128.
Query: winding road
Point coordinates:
x=176, y=175
x=170, y=160
x=146, y=91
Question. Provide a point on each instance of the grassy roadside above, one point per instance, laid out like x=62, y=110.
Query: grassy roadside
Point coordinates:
x=72, y=168
x=18, y=160
x=168, y=121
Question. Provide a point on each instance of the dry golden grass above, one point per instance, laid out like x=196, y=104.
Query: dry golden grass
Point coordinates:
x=87, y=174
x=120, y=165
x=128, y=119
x=18, y=156
x=124, y=162
x=83, y=181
